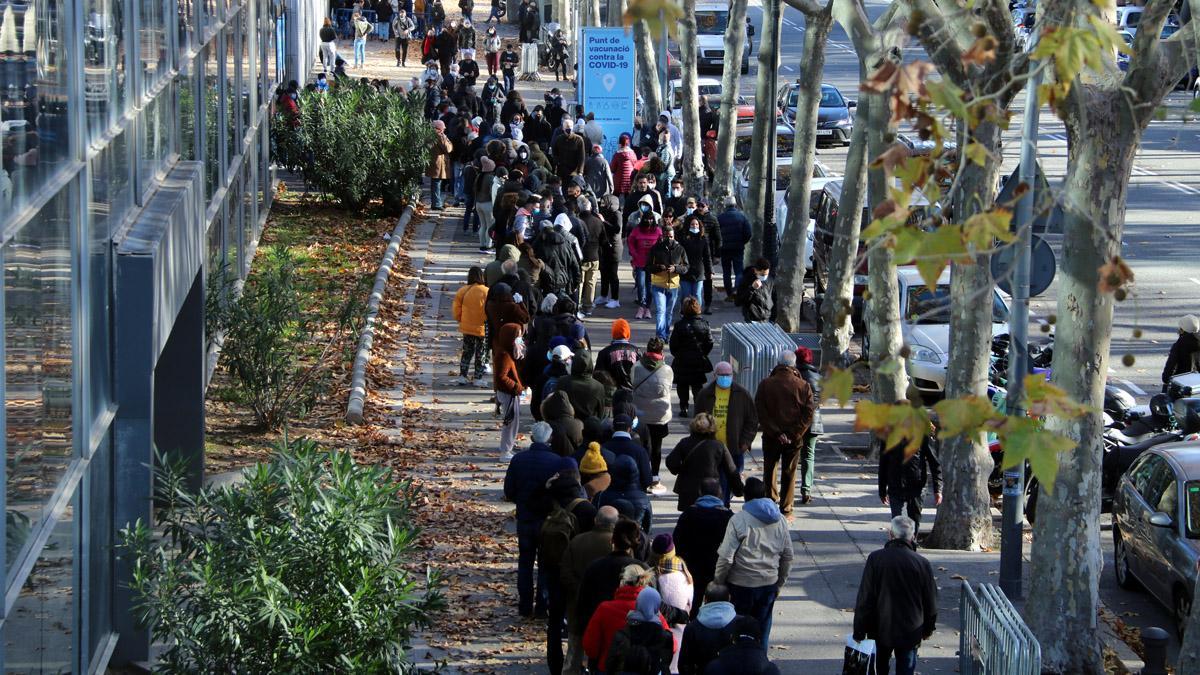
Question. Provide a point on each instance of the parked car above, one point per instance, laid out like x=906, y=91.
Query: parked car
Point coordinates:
x=710, y=89
x=783, y=176
x=785, y=140
x=1156, y=526
x=781, y=214
x=834, y=121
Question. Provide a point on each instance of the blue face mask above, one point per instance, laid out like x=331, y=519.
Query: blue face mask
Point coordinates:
x=724, y=381
x=635, y=423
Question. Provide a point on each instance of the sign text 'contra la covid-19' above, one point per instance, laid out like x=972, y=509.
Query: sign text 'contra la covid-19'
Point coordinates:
x=607, y=78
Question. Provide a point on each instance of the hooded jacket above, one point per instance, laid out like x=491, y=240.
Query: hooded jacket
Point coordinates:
x=813, y=378
x=652, y=383
x=698, y=252
x=586, y=394
x=506, y=368
x=525, y=481
x=623, y=166
x=705, y=637
x=626, y=484
x=568, y=431
x=757, y=548
x=642, y=239
x=897, y=597
x=785, y=404
x=665, y=254
x=690, y=343
x=492, y=271
x=598, y=175
x=642, y=646
x=611, y=616
x=698, y=457
x=468, y=309
x=744, y=657
x=557, y=252
x=502, y=310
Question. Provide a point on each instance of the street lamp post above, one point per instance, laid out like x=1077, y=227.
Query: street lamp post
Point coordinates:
x=770, y=227
x=1012, y=542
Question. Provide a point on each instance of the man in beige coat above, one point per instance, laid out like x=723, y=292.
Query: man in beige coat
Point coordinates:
x=439, y=164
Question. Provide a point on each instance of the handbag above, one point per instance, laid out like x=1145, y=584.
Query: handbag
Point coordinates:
x=860, y=657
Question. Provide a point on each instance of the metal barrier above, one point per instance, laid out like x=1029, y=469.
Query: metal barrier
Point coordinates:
x=994, y=639
x=753, y=350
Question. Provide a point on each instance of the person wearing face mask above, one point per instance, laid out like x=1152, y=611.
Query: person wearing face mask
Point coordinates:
x=699, y=257
x=491, y=50
x=506, y=376
x=712, y=232
x=468, y=73
x=667, y=265
x=676, y=200
x=515, y=105
x=644, y=234
x=756, y=295
x=491, y=98
x=537, y=128
x=466, y=40
x=597, y=173
x=733, y=411
x=666, y=153
x=403, y=27
x=633, y=200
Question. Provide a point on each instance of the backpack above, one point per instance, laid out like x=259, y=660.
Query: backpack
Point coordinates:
x=557, y=531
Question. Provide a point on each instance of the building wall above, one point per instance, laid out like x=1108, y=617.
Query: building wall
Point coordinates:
x=100, y=102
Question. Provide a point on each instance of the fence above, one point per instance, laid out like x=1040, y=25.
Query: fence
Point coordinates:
x=753, y=350
x=994, y=638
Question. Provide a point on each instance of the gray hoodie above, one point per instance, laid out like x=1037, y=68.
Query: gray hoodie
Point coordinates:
x=757, y=549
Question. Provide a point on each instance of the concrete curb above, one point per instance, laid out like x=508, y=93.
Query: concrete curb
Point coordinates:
x=358, y=377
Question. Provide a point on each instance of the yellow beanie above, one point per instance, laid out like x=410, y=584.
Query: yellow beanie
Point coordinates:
x=593, y=461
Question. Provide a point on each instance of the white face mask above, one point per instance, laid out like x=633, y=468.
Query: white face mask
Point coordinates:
x=678, y=192
x=694, y=230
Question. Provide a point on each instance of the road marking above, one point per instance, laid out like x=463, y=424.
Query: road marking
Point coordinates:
x=788, y=68
x=1146, y=173
x=789, y=22
x=1194, y=280
x=1133, y=388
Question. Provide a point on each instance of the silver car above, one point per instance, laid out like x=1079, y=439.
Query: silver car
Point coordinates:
x=1156, y=526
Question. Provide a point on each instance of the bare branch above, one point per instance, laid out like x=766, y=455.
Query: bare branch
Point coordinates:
x=1146, y=75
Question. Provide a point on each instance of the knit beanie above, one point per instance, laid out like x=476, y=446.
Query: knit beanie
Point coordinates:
x=593, y=461
x=620, y=329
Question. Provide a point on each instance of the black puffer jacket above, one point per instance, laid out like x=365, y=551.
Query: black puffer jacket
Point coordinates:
x=758, y=304
x=897, y=598
x=691, y=342
x=560, y=414
x=813, y=378
x=699, y=256
x=561, y=272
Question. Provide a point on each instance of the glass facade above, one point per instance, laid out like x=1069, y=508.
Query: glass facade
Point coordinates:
x=99, y=101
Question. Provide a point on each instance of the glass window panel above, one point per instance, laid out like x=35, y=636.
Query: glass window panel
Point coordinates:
x=39, y=632
x=247, y=86
x=37, y=342
x=157, y=131
x=212, y=130
x=230, y=67
x=152, y=43
x=186, y=17
x=33, y=100
x=216, y=242
x=250, y=210
x=233, y=231
x=111, y=200
x=187, y=117
x=265, y=193
x=99, y=494
x=104, y=64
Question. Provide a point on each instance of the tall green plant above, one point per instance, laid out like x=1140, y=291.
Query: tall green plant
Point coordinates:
x=357, y=144
x=298, y=569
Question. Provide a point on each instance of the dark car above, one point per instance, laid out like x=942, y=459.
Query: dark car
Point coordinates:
x=834, y=121
x=1156, y=526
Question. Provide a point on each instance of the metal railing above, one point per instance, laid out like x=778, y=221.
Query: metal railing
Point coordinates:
x=753, y=350
x=994, y=638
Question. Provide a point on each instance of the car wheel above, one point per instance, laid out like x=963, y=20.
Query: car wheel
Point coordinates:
x=1182, y=609
x=1125, y=578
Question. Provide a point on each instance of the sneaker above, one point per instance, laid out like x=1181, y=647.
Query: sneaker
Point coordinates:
x=506, y=457
x=601, y=300
x=482, y=383
x=459, y=381
x=613, y=304
x=487, y=369
x=484, y=250
x=583, y=314
x=657, y=488
x=683, y=412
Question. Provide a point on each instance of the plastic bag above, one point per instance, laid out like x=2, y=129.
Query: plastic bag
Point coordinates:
x=860, y=657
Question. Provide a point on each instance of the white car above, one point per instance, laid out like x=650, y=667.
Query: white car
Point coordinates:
x=925, y=324
x=781, y=212
x=783, y=174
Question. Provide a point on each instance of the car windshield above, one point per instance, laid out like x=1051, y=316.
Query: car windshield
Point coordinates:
x=1132, y=18
x=831, y=98
x=926, y=307
x=1193, y=509
x=785, y=141
x=711, y=22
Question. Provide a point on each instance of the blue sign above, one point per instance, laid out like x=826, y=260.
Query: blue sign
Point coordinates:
x=607, y=81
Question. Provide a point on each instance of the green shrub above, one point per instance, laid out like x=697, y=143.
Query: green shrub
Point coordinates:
x=267, y=332
x=299, y=569
x=356, y=144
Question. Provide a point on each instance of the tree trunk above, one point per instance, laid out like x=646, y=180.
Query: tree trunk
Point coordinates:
x=1066, y=558
x=692, y=160
x=964, y=520
x=593, y=14
x=764, y=114
x=836, y=308
x=647, y=75
x=794, y=249
x=889, y=381
x=616, y=12
x=735, y=44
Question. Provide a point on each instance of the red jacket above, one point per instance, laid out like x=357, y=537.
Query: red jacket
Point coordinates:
x=611, y=616
x=623, y=168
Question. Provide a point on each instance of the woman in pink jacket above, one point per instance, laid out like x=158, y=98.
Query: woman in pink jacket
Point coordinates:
x=645, y=234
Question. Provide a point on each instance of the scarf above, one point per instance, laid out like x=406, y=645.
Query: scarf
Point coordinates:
x=670, y=562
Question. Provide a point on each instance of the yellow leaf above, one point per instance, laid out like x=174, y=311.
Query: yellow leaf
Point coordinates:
x=947, y=95
x=1025, y=439
x=1044, y=399
x=964, y=415
x=981, y=52
x=983, y=229
x=900, y=424
x=656, y=14
x=871, y=416
x=837, y=384
x=977, y=153
x=938, y=249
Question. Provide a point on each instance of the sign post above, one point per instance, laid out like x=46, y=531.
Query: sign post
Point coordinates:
x=607, y=79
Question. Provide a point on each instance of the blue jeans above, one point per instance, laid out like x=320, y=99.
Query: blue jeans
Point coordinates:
x=692, y=288
x=383, y=29
x=906, y=659
x=731, y=262
x=510, y=81
x=758, y=603
x=360, y=51
x=495, y=14
x=739, y=460
x=458, y=182
x=665, y=300
x=435, y=192
x=641, y=286
x=528, y=533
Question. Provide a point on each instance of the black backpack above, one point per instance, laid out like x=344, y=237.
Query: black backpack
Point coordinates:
x=559, y=528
